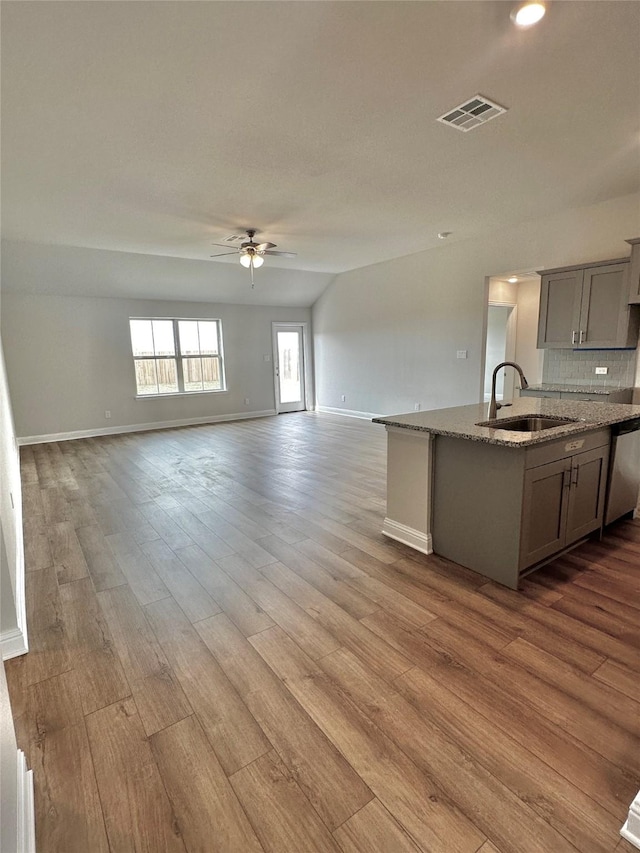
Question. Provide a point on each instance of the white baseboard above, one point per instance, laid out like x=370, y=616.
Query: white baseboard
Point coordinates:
x=26, y=828
x=91, y=433
x=631, y=828
x=13, y=643
x=348, y=413
x=408, y=536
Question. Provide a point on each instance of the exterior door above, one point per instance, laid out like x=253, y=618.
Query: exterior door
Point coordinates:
x=289, y=366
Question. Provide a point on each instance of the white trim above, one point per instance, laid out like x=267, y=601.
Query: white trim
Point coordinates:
x=90, y=433
x=21, y=646
x=348, y=413
x=180, y=394
x=26, y=820
x=408, y=536
x=13, y=642
x=631, y=828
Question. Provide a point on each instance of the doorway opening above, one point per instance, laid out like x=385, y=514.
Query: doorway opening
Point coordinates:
x=501, y=346
x=289, y=366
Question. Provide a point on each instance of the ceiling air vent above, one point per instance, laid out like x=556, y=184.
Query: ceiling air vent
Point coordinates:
x=233, y=238
x=472, y=113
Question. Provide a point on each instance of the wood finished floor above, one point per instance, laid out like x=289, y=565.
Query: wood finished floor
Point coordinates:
x=227, y=655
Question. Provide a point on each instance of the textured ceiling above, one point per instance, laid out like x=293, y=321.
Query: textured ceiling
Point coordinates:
x=161, y=127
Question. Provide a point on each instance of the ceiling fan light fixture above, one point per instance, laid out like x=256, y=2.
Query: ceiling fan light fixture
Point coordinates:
x=528, y=14
x=245, y=260
x=258, y=260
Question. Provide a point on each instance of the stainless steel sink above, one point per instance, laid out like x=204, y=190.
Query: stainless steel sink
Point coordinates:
x=527, y=423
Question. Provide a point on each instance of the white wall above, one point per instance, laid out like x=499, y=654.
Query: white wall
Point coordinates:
x=10, y=555
x=496, y=346
x=525, y=294
x=8, y=772
x=69, y=359
x=11, y=548
x=386, y=336
x=528, y=356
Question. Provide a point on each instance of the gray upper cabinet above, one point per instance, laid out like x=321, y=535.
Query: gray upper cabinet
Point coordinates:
x=560, y=300
x=587, y=307
x=634, y=272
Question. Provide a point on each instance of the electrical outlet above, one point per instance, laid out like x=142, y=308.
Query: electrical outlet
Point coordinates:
x=461, y=353
x=416, y=407
x=342, y=397
x=602, y=371
x=246, y=401
x=107, y=413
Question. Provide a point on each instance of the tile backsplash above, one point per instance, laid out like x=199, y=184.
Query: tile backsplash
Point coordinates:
x=577, y=367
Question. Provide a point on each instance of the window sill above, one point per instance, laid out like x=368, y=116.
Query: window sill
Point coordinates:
x=179, y=394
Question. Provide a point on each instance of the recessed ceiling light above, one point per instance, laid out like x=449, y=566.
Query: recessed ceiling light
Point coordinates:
x=528, y=14
x=512, y=280
x=444, y=234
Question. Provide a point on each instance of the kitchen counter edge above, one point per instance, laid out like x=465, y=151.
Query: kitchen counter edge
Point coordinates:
x=461, y=421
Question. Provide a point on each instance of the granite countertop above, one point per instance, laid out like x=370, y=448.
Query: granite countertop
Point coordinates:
x=460, y=422
x=577, y=389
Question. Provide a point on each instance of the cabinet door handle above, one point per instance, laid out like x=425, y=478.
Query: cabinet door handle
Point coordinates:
x=582, y=336
x=575, y=474
x=573, y=336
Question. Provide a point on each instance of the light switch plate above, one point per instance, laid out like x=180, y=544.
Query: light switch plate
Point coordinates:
x=461, y=353
x=602, y=371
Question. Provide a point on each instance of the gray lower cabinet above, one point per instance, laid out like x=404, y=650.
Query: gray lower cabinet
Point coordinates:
x=563, y=502
x=587, y=307
x=502, y=510
x=621, y=395
x=547, y=395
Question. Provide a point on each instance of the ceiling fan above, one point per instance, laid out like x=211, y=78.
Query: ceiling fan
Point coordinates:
x=252, y=254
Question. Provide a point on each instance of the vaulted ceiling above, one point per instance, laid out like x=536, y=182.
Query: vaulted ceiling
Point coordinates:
x=161, y=127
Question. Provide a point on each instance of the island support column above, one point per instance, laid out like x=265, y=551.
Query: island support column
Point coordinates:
x=409, y=484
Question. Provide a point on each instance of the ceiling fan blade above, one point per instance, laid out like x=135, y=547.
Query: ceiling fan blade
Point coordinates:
x=262, y=247
x=222, y=254
x=225, y=245
x=281, y=254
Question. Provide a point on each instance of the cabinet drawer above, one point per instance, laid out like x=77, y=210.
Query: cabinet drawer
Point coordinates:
x=568, y=445
x=594, y=398
x=549, y=395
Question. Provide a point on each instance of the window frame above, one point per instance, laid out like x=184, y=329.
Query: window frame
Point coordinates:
x=178, y=357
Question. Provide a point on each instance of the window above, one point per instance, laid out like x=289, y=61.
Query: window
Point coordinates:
x=177, y=356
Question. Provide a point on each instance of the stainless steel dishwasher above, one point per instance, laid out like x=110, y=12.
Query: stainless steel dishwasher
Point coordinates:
x=624, y=470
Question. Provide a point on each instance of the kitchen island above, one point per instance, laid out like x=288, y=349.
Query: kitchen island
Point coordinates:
x=499, y=501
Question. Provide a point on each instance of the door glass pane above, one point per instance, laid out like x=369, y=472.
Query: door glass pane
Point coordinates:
x=289, y=367
x=192, y=369
x=141, y=337
x=163, y=337
x=167, y=375
x=146, y=377
x=208, y=338
x=211, y=374
x=189, y=344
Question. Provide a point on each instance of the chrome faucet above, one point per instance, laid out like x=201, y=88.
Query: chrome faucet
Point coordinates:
x=494, y=405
